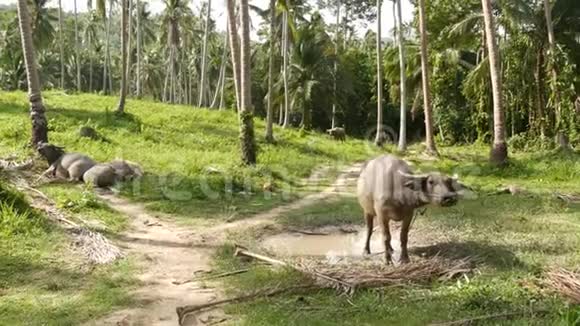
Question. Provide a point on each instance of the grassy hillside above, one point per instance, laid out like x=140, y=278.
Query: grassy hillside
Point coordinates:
x=190, y=155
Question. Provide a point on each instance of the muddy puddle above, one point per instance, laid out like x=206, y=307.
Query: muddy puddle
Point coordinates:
x=334, y=245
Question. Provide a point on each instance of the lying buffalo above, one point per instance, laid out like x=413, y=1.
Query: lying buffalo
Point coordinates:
x=70, y=166
x=79, y=167
x=389, y=190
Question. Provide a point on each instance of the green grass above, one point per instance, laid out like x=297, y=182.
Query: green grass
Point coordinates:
x=514, y=238
x=184, y=151
x=42, y=281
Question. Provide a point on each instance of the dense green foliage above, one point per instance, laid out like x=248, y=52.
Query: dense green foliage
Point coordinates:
x=535, y=105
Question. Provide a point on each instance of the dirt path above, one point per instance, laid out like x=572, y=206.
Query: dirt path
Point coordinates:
x=169, y=255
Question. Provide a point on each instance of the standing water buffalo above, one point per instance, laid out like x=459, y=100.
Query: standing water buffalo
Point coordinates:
x=337, y=133
x=388, y=190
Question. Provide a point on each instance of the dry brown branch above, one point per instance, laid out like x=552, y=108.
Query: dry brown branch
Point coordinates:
x=212, y=277
x=565, y=282
x=469, y=321
x=306, y=232
x=568, y=198
x=183, y=311
x=335, y=282
x=10, y=165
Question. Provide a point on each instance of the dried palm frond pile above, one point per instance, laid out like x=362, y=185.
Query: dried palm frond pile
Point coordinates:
x=348, y=276
x=565, y=282
x=369, y=274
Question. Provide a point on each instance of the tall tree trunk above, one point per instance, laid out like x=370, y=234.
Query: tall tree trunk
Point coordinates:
x=235, y=50
x=403, y=87
x=222, y=89
x=90, y=72
x=270, y=105
x=281, y=115
x=77, y=48
x=499, y=153
x=246, y=111
x=124, y=39
x=106, y=65
x=39, y=123
x=138, y=54
x=109, y=61
x=345, y=27
x=129, y=46
x=61, y=43
x=285, y=70
x=539, y=100
x=336, y=40
x=552, y=45
x=425, y=70
x=380, y=137
x=222, y=75
x=204, y=57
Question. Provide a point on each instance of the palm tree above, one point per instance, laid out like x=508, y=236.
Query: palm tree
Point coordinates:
x=403, y=87
x=379, y=139
x=222, y=76
x=138, y=51
x=270, y=109
x=61, y=43
x=202, y=83
x=124, y=36
x=174, y=21
x=235, y=50
x=429, y=139
x=101, y=5
x=333, y=122
x=499, y=153
x=77, y=47
x=285, y=41
x=91, y=42
x=39, y=123
x=248, y=144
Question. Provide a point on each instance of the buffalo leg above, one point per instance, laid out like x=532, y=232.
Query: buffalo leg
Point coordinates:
x=404, y=236
x=386, y=235
x=369, y=219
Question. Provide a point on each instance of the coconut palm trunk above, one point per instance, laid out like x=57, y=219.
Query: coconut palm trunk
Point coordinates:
x=202, y=83
x=138, y=50
x=222, y=76
x=379, y=139
x=425, y=71
x=61, y=43
x=499, y=153
x=235, y=50
x=403, y=87
x=285, y=70
x=248, y=142
x=337, y=30
x=124, y=39
x=39, y=123
x=77, y=47
x=552, y=47
x=270, y=105
x=129, y=45
x=106, y=65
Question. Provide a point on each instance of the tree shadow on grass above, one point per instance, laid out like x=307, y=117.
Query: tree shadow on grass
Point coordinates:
x=497, y=256
x=16, y=272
